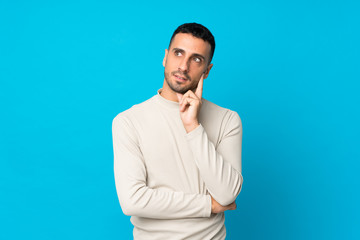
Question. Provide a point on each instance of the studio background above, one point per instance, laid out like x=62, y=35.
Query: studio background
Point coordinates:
x=289, y=68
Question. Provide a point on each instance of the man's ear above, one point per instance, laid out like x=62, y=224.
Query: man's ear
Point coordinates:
x=208, y=68
x=165, y=57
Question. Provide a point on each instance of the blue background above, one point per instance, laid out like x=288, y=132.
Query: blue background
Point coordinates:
x=289, y=68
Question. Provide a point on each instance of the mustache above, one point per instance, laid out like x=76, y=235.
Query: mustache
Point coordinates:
x=182, y=74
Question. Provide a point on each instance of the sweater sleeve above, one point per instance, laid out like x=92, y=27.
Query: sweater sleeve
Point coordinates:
x=220, y=167
x=135, y=197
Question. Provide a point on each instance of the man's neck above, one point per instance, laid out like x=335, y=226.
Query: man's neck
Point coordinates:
x=167, y=93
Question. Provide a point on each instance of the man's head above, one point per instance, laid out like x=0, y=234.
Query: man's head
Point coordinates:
x=189, y=56
x=198, y=31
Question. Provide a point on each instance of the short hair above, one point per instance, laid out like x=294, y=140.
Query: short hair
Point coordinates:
x=199, y=31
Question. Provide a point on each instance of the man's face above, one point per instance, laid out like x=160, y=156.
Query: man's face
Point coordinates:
x=186, y=60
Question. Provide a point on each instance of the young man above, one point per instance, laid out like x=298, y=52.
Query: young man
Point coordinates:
x=177, y=156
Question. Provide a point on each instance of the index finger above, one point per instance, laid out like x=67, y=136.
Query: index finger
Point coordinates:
x=199, y=87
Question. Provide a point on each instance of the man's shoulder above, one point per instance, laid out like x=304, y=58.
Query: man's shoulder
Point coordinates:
x=136, y=110
x=211, y=112
x=212, y=108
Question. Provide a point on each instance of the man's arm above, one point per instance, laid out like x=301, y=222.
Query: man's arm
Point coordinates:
x=136, y=199
x=220, y=168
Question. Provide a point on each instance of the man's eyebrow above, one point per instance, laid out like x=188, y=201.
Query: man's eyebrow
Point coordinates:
x=178, y=50
x=193, y=55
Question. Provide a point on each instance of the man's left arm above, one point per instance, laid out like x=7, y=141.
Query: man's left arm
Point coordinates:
x=220, y=167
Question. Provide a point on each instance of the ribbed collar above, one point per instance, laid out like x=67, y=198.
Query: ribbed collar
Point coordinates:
x=166, y=103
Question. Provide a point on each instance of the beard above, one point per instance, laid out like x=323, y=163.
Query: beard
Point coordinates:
x=178, y=87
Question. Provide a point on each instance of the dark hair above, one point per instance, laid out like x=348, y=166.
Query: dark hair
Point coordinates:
x=199, y=31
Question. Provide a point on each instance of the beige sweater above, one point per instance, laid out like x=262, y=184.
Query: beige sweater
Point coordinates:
x=164, y=175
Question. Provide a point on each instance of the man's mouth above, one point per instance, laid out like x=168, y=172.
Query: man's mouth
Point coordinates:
x=180, y=77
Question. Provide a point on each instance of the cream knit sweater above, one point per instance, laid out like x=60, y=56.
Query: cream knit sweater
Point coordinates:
x=164, y=175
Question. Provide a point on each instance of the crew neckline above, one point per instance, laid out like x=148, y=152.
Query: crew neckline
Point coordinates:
x=165, y=102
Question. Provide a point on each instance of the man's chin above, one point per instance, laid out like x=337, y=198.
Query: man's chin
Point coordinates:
x=178, y=87
x=180, y=90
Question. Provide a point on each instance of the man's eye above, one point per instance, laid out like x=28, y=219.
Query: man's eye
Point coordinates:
x=177, y=53
x=196, y=59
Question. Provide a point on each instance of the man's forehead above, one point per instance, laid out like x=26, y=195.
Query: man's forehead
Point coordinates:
x=191, y=44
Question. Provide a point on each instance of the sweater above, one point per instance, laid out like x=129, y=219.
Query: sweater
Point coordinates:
x=164, y=175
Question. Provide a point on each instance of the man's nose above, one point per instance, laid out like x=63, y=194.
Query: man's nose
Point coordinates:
x=184, y=65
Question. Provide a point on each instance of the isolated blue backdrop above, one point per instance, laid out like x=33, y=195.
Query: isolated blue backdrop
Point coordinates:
x=289, y=68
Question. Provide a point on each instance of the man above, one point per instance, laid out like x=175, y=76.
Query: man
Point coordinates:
x=177, y=156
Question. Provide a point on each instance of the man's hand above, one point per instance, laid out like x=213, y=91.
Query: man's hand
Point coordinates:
x=190, y=104
x=217, y=208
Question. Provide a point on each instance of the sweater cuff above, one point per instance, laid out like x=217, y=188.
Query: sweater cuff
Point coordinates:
x=207, y=209
x=194, y=133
